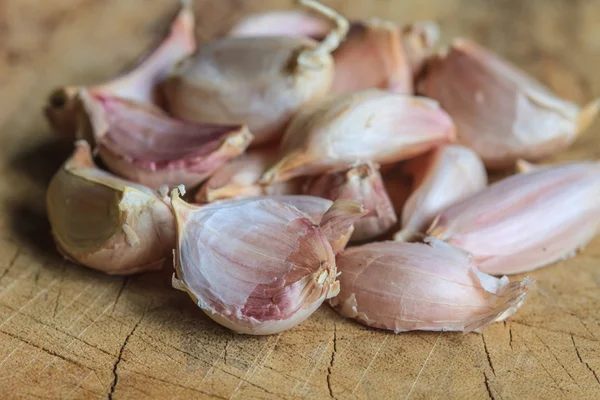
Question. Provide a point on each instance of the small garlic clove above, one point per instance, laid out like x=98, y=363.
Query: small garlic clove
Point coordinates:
x=107, y=223
x=431, y=286
x=364, y=184
x=258, y=81
x=278, y=23
x=441, y=178
x=501, y=112
x=139, y=84
x=143, y=144
x=370, y=125
x=256, y=266
x=419, y=41
x=527, y=220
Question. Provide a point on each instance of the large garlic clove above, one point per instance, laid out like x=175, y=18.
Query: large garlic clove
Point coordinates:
x=364, y=184
x=371, y=125
x=278, y=23
x=501, y=112
x=404, y=286
x=107, y=223
x=259, y=81
x=528, y=220
x=143, y=144
x=138, y=85
x=256, y=266
x=441, y=178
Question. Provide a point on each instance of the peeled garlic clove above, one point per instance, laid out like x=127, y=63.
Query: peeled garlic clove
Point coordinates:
x=138, y=85
x=364, y=184
x=256, y=266
x=277, y=23
x=528, y=220
x=442, y=177
x=371, y=125
x=419, y=41
x=143, y=144
x=501, y=112
x=259, y=81
x=430, y=286
x=107, y=223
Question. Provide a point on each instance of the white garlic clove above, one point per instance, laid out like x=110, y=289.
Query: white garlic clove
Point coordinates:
x=107, y=223
x=370, y=125
x=431, y=286
x=364, y=184
x=256, y=266
x=441, y=178
x=143, y=144
x=527, y=220
x=501, y=112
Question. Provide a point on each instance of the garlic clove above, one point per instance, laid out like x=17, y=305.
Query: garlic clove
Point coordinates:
x=370, y=125
x=501, y=112
x=278, y=23
x=107, y=223
x=527, y=220
x=420, y=41
x=431, y=286
x=256, y=266
x=364, y=184
x=441, y=178
x=139, y=84
x=143, y=144
x=259, y=81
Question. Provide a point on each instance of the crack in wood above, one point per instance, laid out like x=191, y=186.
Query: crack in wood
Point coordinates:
x=584, y=362
x=121, y=289
x=332, y=360
x=488, y=387
x=556, y=358
x=113, y=385
x=487, y=354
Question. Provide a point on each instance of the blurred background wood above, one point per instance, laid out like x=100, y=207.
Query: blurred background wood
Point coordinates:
x=68, y=332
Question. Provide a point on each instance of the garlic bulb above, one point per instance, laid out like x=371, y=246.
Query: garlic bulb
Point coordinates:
x=257, y=266
x=442, y=177
x=432, y=286
x=500, y=112
x=259, y=81
x=526, y=221
x=371, y=125
x=143, y=144
x=107, y=223
x=139, y=85
x=364, y=184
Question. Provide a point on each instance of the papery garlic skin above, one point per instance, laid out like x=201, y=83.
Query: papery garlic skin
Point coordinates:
x=370, y=125
x=276, y=23
x=501, y=112
x=441, y=178
x=362, y=183
x=431, y=286
x=528, y=220
x=419, y=42
x=256, y=266
x=106, y=223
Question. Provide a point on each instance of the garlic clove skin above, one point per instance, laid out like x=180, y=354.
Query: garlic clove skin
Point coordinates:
x=527, y=220
x=431, y=286
x=501, y=112
x=279, y=23
x=107, y=223
x=256, y=266
x=419, y=41
x=143, y=144
x=139, y=84
x=441, y=178
x=370, y=125
x=364, y=184
x=259, y=81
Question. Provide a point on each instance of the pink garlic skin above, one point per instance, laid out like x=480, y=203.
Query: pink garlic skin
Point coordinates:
x=528, y=220
x=432, y=286
x=364, y=184
x=501, y=112
x=442, y=177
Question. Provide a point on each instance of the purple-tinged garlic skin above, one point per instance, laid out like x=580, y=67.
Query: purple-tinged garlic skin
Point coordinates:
x=441, y=178
x=257, y=266
x=528, y=220
x=107, y=223
x=431, y=286
x=362, y=183
x=371, y=125
x=501, y=112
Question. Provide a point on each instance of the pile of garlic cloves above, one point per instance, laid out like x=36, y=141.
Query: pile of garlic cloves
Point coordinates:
x=253, y=160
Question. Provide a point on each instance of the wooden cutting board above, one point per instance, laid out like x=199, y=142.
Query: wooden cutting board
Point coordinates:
x=68, y=332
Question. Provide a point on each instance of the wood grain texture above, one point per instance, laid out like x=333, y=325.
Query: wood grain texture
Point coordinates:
x=68, y=332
